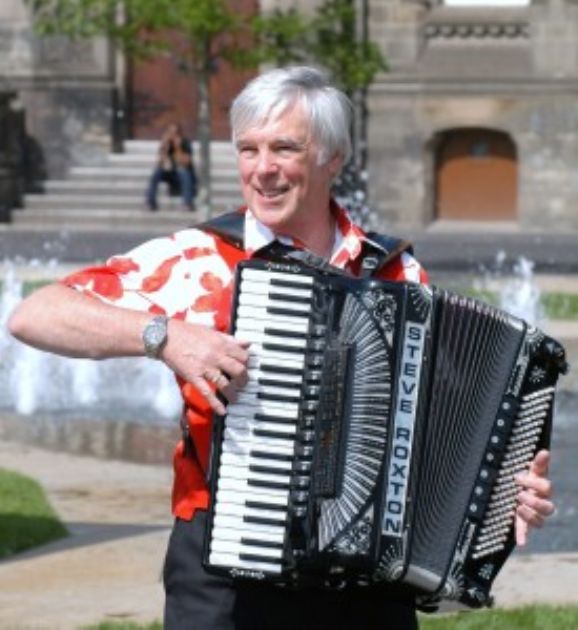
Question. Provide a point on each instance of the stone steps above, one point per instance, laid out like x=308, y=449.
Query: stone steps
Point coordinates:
x=112, y=195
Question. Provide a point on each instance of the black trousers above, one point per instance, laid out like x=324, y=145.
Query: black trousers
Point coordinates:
x=197, y=600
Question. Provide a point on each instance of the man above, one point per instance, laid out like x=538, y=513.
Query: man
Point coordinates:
x=175, y=167
x=290, y=129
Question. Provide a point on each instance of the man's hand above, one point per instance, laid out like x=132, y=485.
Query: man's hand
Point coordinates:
x=534, y=504
x=207, y=359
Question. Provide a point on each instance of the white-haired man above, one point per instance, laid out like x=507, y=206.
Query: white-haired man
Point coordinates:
x=170, y=299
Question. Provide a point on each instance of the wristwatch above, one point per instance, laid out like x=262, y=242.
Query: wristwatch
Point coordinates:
x=154, y=336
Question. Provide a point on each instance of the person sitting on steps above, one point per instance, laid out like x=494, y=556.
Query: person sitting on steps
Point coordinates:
x=174, y=166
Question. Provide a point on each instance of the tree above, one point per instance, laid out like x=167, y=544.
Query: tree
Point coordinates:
x=210, y=29
x=213, y=29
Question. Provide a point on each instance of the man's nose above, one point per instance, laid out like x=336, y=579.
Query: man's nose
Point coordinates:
x=267, y=163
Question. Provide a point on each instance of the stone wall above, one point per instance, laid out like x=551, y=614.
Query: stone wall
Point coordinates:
x=65, y=87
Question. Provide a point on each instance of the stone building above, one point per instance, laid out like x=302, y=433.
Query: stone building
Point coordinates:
x=476, y=118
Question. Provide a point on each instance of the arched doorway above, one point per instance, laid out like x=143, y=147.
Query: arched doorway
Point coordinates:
x=476, y=176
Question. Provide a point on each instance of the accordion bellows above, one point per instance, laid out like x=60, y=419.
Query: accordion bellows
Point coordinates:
x=379, y=434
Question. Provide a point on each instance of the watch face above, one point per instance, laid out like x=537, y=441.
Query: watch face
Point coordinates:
x=154, y=336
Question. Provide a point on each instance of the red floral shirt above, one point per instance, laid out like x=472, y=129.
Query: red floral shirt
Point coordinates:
x=189, y=276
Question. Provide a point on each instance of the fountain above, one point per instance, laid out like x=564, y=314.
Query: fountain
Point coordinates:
x=62, y=402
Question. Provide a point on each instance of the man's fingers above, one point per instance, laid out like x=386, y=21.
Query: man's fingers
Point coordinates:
x=540, y=505
x=235, y=370
x=530, y=516
x=540, y=463
x=202, y=384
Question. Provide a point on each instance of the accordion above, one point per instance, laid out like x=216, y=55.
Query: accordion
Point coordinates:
x=379, y=434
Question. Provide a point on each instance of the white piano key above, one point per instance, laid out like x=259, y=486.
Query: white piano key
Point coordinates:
x=228, y=546
x=262, y=312
x=252, y=299
x=235, y=496
x=267, y=276
x=260, y=425
x=240, y=522
x=288, y=361
x=227, y=508
x=247, y=405
x=235, y=535
x=250, y=323
x=255, y=374
x=242, y=485
x=232, y=561
x=245, y=448
x=236, y=459
x=254, y=387
x=236, y=527
x=262, y=338
x=262, y=442
x=265, y=288
x=244, y=473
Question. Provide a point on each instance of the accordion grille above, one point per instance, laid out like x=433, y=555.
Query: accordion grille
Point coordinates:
x=368, y=407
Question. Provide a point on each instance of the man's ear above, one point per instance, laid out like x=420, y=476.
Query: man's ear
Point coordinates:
x=335, y=165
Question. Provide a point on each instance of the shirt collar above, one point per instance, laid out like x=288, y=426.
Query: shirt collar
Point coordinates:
x=349, y=237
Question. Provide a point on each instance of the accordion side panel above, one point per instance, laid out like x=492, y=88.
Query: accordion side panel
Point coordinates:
x=522, y=427
x=475, y=349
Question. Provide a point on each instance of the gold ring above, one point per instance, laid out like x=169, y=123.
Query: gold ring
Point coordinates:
x=215, y=377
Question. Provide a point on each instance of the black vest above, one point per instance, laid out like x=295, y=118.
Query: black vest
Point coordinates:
x=378, y=249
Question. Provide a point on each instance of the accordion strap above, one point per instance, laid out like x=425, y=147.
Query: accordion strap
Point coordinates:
x=378, y=249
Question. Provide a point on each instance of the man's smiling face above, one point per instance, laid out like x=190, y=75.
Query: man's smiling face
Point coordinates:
x=281, y=179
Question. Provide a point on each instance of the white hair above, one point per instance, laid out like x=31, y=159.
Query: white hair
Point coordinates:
x=273, y=92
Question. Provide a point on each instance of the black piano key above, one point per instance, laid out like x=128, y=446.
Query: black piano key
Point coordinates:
x=265, y=455
x=272, y=485
x=287, y=297
x=262, y=505
x=261, y=543
x=295, y=398
x=250, y=557
x=280, y=282
x=258, y=520
x=271, y=382
x=286, y=334
x=287, y=312
x=273, y=434
x=264, y=417
x=277, y=347
x=280, y=369
x=268, y=470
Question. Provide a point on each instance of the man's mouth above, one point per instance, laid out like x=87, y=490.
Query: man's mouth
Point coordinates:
x=271, y=193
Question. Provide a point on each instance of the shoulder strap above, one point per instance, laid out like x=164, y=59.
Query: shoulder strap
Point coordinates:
x=230, y=227
x=379, y=250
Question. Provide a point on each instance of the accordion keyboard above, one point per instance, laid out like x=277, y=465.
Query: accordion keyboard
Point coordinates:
x=258, y=481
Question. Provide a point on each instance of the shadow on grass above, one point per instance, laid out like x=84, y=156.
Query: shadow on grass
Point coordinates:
x=46, y=537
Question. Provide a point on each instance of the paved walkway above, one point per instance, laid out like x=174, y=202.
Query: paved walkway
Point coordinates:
x=110, y=567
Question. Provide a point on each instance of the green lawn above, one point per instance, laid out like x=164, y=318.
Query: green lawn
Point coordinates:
x=528, y=618
x=26, y=518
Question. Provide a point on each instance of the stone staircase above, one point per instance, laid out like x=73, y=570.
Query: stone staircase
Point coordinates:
x=112, y=195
